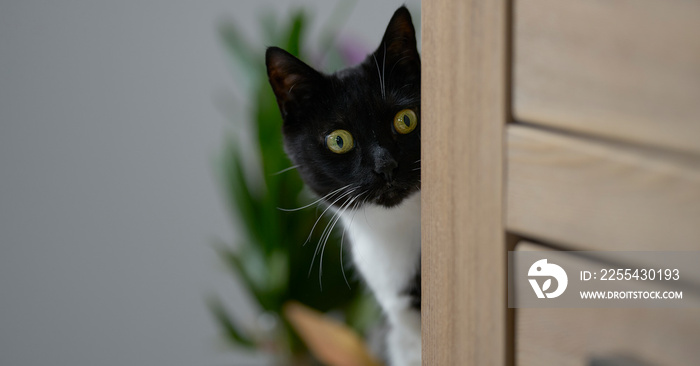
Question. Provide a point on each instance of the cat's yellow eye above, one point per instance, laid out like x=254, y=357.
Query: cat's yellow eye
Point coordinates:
x=405, y=121
x=340, y=141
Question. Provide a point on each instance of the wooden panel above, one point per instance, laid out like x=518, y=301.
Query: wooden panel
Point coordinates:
x=626, y=69
x=594, y=195
x=463, y=117
x=574, y=336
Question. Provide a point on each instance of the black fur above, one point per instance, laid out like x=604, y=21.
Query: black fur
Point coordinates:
x=413, y=290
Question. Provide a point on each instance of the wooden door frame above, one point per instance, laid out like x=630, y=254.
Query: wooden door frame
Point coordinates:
x=464, y=112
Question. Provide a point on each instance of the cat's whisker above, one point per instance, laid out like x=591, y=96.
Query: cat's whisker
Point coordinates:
x=381, y=82
x=321, y=246
x=323, y=234
x=411, y=96
x=287, y=169
x=320, y=240
x=313, y=258
x=338, y=216
x=329, y=195
x=384, y=74
x=324, y=211
x=396, y=63
x=342, y=238
x=364, y=211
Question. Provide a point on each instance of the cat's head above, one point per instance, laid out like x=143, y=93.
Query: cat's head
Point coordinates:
x=355, y=134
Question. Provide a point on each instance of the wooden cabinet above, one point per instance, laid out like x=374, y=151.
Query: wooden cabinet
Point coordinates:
x=572, y=123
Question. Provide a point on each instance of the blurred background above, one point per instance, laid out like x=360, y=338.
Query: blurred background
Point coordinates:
x=112, y=120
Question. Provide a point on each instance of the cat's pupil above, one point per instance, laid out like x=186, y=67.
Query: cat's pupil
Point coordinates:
x=339, y=141
x=407, y=120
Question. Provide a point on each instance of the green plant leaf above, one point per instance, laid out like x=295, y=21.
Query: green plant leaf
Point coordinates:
x=329, y=33
x=293, y=43
x=270, y=26
x=241, y=199
x=278, y=274
x=250, y=266
x=226, y=323
x=362, y=312
x=236, y=45
x=247, y=69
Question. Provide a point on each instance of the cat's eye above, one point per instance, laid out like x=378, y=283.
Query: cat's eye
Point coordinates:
x=340, y=141
x=405, y=121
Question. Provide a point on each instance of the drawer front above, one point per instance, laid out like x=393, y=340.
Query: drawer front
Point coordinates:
x=586, y=336
x=622, y=69
x=579, y=336
x=593, y=195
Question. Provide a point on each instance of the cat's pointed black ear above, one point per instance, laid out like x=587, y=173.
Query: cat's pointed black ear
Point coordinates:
x=293, y=81
x=398, y=47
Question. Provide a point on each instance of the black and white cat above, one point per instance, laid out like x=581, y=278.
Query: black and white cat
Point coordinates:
x=355, y=137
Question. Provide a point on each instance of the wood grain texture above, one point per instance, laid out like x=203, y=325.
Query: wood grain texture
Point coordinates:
x=463, y=117
x=624, y=69
x=588, y=194
x=572, y=337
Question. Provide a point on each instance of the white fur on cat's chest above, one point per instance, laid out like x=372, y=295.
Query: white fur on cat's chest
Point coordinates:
x=385, y=246
x=386, y=249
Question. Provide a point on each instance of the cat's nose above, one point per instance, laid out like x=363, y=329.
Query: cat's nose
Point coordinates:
x=384, y=164
x=387, y=169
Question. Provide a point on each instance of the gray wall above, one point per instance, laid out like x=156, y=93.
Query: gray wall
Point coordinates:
x=107, y=201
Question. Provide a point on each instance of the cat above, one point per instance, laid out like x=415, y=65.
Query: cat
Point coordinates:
x=355, y=137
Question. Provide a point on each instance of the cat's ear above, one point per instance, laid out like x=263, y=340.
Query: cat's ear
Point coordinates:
x=398, y=47
x=293, y=81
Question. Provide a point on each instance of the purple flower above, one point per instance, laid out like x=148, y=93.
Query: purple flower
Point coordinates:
x=351, y=51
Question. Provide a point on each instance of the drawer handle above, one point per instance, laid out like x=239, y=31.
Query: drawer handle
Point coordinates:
x=616, y=361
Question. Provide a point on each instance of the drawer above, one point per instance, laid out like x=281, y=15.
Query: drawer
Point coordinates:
x=622, y=69
x=581, y=336
x=596, y=195
x=578, y=336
